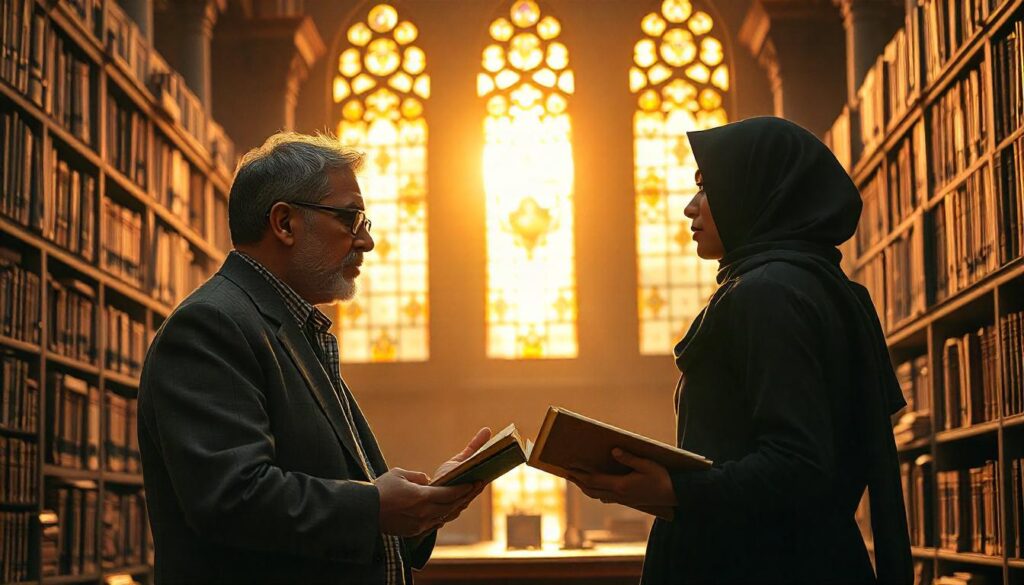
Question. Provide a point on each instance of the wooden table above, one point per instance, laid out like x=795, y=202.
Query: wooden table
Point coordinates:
x=489, y=563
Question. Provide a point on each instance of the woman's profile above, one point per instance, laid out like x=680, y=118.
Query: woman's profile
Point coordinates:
x=785, y=383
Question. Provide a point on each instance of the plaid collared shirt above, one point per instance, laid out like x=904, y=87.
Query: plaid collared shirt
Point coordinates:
x=314, y=324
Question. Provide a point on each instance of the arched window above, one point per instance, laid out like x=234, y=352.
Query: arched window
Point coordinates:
x=379, y=92
x=680, y=75
x=528, y=184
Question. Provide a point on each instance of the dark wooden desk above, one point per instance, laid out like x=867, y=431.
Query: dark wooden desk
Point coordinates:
x=487, y=563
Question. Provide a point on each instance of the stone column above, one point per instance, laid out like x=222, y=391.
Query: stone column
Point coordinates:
x=869, y=25
x=195, y=20
x=141, y=11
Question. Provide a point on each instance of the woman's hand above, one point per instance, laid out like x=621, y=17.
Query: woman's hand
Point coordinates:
x=647, y=487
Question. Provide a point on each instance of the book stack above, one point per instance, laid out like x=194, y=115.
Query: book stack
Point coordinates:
x=901, y=74
x=124, y=529
x=908, y=176
x=915, y=422
x=49, y=546
x=948, y=25
x=70, y=80
x=904, y=288
x=122, y=443
x=871, y=106
x=179, y=187
x=71, y=319
x=871, y=274
x=1015, y=506
x=958, y=127
x=20, y=297
x=175, y=273
x=19, y=394
x=969, y=518
x=20, y=470
x=121, y=242
x=918, y=493
x=76, y=507
x=1008, y=79
x=15, y=554
x=17, y=16
x=1011, y=334
x=839, y=138
x=964, y=237
x=69, y=216
x=969, y=378
x=177, y=101
x=1009, y=175
x=221, y=237
x=127, y=140
x=872, y=219
x=89, y=14
x=126, y=341
x=72, y=422
x=126, y=45
x=21, y=178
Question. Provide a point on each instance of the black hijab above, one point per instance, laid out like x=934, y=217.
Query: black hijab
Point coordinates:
x=777, y=194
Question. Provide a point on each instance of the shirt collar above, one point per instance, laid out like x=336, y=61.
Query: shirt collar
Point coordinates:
x=301, y=310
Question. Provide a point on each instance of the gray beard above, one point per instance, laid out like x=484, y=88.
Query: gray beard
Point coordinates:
x=332, y=282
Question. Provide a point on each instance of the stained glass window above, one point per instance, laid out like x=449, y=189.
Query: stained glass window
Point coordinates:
x=379, y=92
x=680, y=77
x=528, y=183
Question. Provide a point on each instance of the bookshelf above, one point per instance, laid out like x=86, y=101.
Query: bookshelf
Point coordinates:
x=113, y=206
x=934, y=143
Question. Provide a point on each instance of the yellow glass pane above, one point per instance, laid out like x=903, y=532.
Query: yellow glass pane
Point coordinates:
x=363, y=83
x=415, y=61
x=506, y=79
x=422, y=86
x=558, y=56
x=645, y=53
x=501, y=30
x=637, y=79
x=649, y=101
x=497, y=105
x=412, y=108
x=526, y=95
x=567, y=82
x=711, y=51
x=406, y=33
x=710, y=99
x=679, y=92
x=698, y=72
x=556, y=104
x=701, y=23
x=676, y=11
x=545, y=78
x=359, y=34
x=653, y=24
x=677, y=47
x=382, y=101
x=524, y=51
x=720, y=78
x=658, y=73
x=401, y=82
x=525, y=13
x=341, y=89
x=382, y=57
x=494, y=58
x=350, y=63
x=549, y=28
x=353, y=110
x=484, y=84
x=383, y=18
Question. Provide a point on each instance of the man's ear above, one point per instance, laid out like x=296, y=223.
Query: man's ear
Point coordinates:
x=282, y=217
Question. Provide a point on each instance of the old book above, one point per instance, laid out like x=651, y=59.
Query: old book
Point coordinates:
x=504, y=452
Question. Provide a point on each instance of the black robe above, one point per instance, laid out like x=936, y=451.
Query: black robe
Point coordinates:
x=786, y=382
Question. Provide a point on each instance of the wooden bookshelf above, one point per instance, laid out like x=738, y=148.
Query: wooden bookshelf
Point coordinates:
x=141, y=86
x=982, y=296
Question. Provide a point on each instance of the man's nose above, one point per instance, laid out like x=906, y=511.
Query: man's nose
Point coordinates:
x=363, y=241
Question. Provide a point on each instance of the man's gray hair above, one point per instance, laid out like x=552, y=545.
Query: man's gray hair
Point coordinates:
x=288, y=167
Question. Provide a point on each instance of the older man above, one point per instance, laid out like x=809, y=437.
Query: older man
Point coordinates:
x=259, y=465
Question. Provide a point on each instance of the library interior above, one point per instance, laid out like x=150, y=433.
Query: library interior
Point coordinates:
x=527, y=171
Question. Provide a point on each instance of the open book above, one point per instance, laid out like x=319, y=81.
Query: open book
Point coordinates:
x=567, y=441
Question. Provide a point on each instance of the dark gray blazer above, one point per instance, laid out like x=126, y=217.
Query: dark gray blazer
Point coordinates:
x=250, y=468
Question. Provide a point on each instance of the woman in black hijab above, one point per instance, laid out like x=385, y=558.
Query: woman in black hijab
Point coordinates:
x=786, y=383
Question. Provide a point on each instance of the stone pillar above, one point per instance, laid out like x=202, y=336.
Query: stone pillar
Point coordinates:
x=141, y=11
x=869, y=25
x=799, y=44
x=196, y=19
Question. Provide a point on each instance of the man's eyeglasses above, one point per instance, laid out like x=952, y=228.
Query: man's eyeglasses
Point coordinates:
x=355, y=218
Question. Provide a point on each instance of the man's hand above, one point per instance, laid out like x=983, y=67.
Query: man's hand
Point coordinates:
x=647, y=487
x=482, y=436
x=411, y=507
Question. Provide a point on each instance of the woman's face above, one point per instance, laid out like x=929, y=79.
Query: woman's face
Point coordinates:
x=705, y=232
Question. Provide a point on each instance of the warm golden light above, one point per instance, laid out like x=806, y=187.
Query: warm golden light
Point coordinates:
x=525, y=490
x=528, y=184
x=382, y=116
x=673, y=97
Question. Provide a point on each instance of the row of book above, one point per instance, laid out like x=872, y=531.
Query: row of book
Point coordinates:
x=904, y=287
x=178, y=186
x=1008, y=79
x=68, y=527
x=1009, y=170
x=21, y=176
x=176, y=272
x=947, y=26
x=969, y=519
x=125, y=341
x=71, y=319
x=969, y=365
x=20, y=296
x=72, y=422
x=121, y=445
x=126, y=44
x=963, y=236
x=69, y=213
x=16, y=534
x=127, y=140
x=958, y=127
x=915, y=422
x=19, y=470
x=871, y=274
x=872, y=226
x=917, y=479
x=125, y=530
x=908, y=176
x=121, y=242
x=19, y=394
x=1011, y=333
